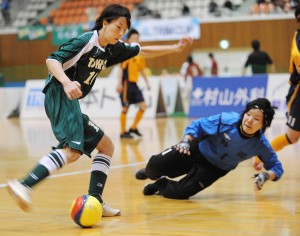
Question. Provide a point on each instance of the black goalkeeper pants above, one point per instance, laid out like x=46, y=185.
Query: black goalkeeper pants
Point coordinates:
x=199, y=173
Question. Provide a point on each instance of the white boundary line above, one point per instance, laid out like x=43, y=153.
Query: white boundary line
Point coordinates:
x=87, y=171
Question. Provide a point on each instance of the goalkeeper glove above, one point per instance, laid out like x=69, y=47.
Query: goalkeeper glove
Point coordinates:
x=184, y=146
x=260, y=179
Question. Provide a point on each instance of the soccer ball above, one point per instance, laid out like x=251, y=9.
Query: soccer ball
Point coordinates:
x=86, y=211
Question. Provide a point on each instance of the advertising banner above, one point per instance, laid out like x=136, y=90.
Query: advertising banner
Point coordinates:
x=62, y=34
x=37, y=32
x=211, y=96
x=167, y=29
x=33, y=101
x=277, y=89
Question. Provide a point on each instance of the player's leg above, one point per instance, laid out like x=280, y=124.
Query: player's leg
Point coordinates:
x=169, y=163
x=139, y=99
x=68, y=129
x=123, y=116
x=200, y=176
x=95, y=138
x=293, y=125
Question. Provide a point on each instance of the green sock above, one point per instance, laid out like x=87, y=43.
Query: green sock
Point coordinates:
x=39, y=173
x=48, y=164
x=100, y=168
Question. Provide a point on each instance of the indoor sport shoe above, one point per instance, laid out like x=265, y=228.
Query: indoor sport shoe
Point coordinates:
x=141, y=174
x=135, y=131
x=108, y=211
x=21, y=194
x=126, y=135
x=150, y=189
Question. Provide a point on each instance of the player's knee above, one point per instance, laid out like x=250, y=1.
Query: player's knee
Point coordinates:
x=106, y=146
x=72, y=155
x=143, y=106
x=125, y=110
x=152, y=171
x=110, y=149
x=293, y=138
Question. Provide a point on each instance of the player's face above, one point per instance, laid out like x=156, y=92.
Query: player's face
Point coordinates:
x=114, y=30
x=134, y=38
x=252, y=121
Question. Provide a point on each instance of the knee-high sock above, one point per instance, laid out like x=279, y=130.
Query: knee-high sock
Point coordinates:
x=137, y=119
x=100, y=169
x=280, y=142
x=48, y=164
x=123, y=122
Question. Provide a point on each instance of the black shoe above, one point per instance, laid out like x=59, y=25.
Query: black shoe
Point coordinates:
x=141, y=174
x=126, y=135
x=135, y=131
x=150, y=189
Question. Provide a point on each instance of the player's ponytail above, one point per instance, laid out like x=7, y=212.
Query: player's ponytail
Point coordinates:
x=110, y=13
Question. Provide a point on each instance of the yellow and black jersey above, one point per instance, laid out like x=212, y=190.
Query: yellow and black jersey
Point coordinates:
x=295, y=56
x=132, y=67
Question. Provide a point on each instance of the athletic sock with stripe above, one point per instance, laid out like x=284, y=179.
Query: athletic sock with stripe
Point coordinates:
x=48, y=164
x=100, y=169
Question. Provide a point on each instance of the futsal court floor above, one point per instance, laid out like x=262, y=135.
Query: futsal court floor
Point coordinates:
x=228, y=207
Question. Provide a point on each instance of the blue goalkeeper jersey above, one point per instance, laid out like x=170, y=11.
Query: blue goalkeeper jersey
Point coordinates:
x=223, y=145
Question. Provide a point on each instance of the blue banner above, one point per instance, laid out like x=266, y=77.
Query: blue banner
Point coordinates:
x=211, y=96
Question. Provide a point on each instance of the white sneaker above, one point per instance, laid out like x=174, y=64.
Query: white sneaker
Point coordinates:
x=108, y=211
x=21, y=194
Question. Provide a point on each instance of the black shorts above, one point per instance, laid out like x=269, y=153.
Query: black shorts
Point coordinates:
x=131, y=94
x=199, y=173
x=293, y=104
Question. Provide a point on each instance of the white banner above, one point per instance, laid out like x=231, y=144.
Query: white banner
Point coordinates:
x=167, y=29
x=33, y=100
x=102, y=102
x=277, y=89
x=170, y=90
x=10, y=99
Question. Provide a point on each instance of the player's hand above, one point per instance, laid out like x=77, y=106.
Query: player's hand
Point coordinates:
x=184, y=146
x=72, y=90
x=183, y=43
x=260, y=179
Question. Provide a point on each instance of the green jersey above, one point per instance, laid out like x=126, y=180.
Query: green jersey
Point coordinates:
x=83, y=59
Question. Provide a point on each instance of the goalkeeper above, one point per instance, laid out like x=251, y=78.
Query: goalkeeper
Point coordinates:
x=211, y=147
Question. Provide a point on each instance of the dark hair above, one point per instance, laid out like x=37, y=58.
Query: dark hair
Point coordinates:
x=110, y=13
x=210, y=55
x=190, y=59
x=297, y=14
x=265, y=107
x=131, y=32
x=255, y=44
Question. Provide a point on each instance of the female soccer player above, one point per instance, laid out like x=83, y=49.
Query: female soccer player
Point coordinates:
x=73, y=69
x=211, y=148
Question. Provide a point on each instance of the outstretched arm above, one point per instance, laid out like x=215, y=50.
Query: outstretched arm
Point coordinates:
x=261, y=178
x=160, y=50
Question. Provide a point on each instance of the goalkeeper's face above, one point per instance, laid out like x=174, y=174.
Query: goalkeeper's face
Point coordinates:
x=252, y=121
